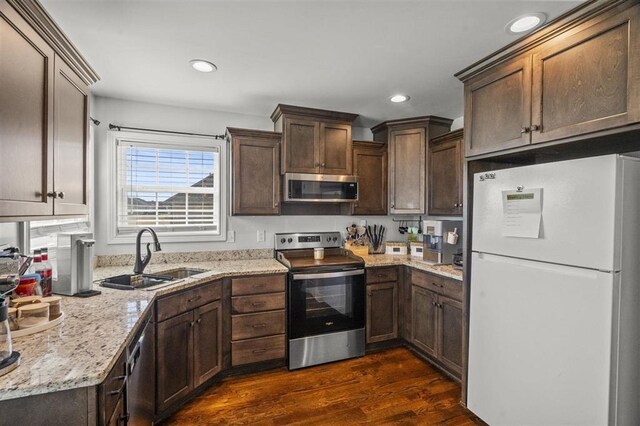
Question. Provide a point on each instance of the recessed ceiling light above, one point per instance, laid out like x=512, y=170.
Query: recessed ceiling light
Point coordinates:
x=202, y=65
x=525, y=23
x=399, y=98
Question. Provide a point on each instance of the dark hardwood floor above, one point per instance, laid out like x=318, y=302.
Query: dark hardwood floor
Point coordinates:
x=390, y=387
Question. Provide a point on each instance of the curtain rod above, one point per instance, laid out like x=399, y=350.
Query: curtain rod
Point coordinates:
x=116, y=127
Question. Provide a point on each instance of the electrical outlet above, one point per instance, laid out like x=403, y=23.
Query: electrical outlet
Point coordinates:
x=231, y=236
x=261, y=236
x=363, y=222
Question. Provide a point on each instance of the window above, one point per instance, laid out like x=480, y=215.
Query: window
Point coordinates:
x=173, y=184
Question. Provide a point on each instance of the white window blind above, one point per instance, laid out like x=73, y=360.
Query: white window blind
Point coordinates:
x=169, y=188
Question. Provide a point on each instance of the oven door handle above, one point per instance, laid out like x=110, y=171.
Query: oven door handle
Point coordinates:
x=321, y=275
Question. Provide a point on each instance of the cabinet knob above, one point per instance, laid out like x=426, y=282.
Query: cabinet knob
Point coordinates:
x=191, y=323
x=460, y=205
x=535, y=128
x=61, y=195
x=525, y=130
x=455, y=205
x=53, y=195
x=322, y=164
x=275, y=204
x=199, y=320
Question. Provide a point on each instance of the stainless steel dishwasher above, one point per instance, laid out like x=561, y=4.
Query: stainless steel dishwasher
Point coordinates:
x=141, y=382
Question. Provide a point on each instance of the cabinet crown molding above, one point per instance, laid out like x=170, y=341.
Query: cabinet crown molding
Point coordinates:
x=453, y=135
x=423, y=121
x=322, y=114
x=566, y=22
x=251, y=133
x=38, y=17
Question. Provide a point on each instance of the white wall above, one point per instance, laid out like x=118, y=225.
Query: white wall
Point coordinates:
x=9, y=233
x=137, y=114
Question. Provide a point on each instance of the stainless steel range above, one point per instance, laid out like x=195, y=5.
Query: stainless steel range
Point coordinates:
x=325, y=298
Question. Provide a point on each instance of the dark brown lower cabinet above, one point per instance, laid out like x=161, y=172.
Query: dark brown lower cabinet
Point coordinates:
x=207, y=342
x=382, y=312
x=174, y=360
x=450, y=333
x=189, y=345
x=119, y=417
x=424, y=319
x=436, y=325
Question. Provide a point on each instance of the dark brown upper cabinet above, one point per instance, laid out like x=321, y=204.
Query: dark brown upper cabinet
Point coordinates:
x=444, y=187
x=370, y=166
x=589, y=81
x=314, y=140
x=26, y=111
x=70, y=142
x=406, y=141
x=498, y=108
x=255, y=172
x=578, y=75
x=43, y=116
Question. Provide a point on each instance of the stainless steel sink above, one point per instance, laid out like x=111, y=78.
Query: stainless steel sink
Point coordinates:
x=136, y=282
x=180, y=273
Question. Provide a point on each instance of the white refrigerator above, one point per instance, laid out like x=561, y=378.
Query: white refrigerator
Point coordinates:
x=554, y=327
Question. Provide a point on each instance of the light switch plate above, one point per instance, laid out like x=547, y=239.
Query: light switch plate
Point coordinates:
x=231, y=236
x=261, y=236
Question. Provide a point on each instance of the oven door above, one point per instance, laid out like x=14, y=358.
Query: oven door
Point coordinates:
x=326, y=302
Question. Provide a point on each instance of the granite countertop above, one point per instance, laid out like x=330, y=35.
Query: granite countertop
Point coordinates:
x=82, y=350
x=84, y=347
x=375, y=260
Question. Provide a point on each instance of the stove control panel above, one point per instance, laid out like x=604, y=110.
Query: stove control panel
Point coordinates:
x=306, y=240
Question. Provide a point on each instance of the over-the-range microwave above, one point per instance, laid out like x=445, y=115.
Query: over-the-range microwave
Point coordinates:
x=318, y=188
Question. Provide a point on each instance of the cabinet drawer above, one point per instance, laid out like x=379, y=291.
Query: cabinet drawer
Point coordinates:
x=171, y=306
x=113, y=386
x=438, y=284
x=257, y=325
x=256, y=350
x=382, y=275
x=257, y=285
x=257, y=303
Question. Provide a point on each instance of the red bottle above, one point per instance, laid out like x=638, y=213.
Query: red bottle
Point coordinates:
x=47, y=279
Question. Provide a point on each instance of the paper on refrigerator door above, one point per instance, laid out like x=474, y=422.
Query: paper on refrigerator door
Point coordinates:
x=522, y=213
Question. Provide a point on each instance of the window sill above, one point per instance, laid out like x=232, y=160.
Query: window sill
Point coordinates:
x=173, y=237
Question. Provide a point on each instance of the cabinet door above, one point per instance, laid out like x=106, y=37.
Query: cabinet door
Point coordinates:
x=382, y=312
x=450, y=333
x=119, y=416
x=207, y=342
x=498, y=108
x=70, y=142
x=424, y=319
x=26, y=112
x=589, y=81
x=335, y=148
x=301, y=141
x=370, y=166
x=256, y=177
x=174, y=360
x=407, y=158
x=445, y=178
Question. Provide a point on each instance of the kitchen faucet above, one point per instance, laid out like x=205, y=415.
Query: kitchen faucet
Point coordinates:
x=140, y=262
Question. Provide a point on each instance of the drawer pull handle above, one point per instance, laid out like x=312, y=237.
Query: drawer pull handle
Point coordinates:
x=258, y=304
x=258, y=286
x=258, y=351
x=261, y=325
x=198, y=297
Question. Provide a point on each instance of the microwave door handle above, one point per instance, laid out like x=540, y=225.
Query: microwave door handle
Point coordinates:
x=316, y=276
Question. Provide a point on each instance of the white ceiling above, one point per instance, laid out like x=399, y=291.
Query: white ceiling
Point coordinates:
x=343, y=55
